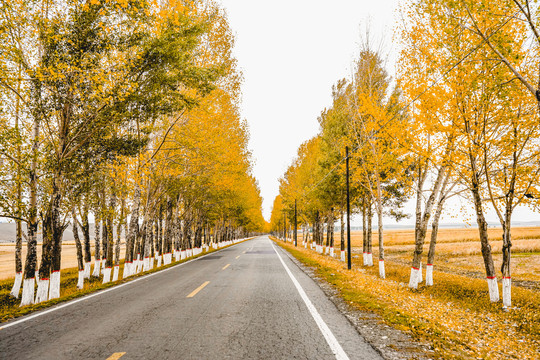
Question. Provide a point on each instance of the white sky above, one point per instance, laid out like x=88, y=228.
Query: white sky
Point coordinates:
x=291, y=53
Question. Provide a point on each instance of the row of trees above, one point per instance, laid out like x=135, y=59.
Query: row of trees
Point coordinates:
x=461, y=119
x=124, y=111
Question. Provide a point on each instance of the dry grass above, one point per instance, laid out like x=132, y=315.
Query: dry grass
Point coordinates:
x=454, y=316
x=444, y=235
x=458, y=250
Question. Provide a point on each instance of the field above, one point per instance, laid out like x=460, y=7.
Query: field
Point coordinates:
x=455, y=316
x=458, y=251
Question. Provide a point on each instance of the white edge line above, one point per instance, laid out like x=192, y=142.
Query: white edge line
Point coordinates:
x=101, y=292
x=325, y=330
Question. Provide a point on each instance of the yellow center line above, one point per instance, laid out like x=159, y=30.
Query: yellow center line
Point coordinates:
x=237, y=256
x=198, y=289
x=226, y=266
x=116, y=356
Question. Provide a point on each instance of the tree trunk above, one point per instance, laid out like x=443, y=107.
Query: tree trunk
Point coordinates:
x=18, y=223
x=486, y=247
x=104, y=240
x=57, y=234
x=78, y=245
x=434, y=230
x=342, y=234
x=46, y=256
x=421, y=227
x=382, y=272
x=27, y=296
x=97, y=251
x=132, y=233
x=369, y=240
x=86, y=236
x=364, y=233
x=433, y=243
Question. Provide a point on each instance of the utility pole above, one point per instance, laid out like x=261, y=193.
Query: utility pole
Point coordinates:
x=349, y=258
x=295, y=226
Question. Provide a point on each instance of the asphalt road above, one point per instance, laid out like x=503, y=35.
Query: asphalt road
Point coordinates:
x=248, y=301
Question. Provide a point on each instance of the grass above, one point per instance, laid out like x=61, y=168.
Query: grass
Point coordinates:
x=454, y=316
x=458, y=250
x=9, y=306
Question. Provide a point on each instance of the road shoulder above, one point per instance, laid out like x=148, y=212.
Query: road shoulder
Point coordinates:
x=390, y=343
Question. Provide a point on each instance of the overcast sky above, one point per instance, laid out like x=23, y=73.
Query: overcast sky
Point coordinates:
x=291, y=53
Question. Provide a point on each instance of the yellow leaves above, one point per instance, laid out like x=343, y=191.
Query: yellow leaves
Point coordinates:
x=454, y=315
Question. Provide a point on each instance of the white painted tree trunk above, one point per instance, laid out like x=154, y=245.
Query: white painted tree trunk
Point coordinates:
x=167, y=258
x=332, y=251
x=151, y=262
x=54, y=291
x=106, y=275
x=414, y=278
x=183, y=254
x=27, y=296
x=138, y=264
x=420, y=278
x=87, y=268
x=80, y=280
x=42, y=290
x=493, y=289
x=116, y=272
x=103, y=262
x=369, y=259
x=382, y=273
x=507, y=292
x=429, y=275
x=159, y=261
x=343, y=256
x=16, y=285
x=364, y=259
x=127, y=268
x=146, y=264
x=97, y=266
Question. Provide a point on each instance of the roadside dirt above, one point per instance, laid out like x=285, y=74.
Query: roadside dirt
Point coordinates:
x=391, y=343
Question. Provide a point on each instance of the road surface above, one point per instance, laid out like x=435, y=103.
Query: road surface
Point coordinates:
x=248, y=301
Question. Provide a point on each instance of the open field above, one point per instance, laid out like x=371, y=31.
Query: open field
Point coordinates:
x=458, y=251
x=455, y=316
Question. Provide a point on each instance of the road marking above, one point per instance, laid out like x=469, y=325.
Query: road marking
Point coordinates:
x=325, y=330
x=243, y=252
x=116, y=287
x=116, y=356
x=194, y=292
x=226, y=266
x=237, y=257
